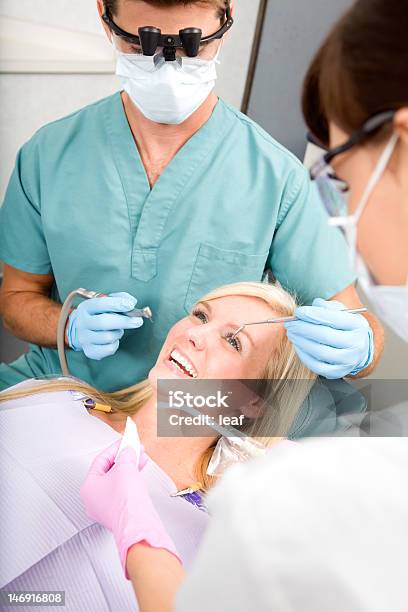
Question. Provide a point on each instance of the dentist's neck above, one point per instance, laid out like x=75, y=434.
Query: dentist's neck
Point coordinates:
x=159, y=143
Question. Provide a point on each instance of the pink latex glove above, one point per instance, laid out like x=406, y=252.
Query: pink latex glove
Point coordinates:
x=115, y=495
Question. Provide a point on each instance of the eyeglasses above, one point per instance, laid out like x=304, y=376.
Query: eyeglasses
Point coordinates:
x=150, y=39
x=332, y=189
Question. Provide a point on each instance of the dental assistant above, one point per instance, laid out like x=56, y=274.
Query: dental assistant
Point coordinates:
x=155, y=195
x=333, y=533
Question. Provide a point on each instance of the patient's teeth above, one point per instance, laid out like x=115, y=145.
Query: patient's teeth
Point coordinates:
x=176, y=356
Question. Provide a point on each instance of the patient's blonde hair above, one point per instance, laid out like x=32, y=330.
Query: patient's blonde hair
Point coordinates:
x=285, y=381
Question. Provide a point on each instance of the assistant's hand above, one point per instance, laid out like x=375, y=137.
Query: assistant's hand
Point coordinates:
x=331, y=343
x=96, y=326
x=115, y=495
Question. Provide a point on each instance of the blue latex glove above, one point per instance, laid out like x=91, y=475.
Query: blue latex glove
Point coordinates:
x=96, y=326
x=330, y=343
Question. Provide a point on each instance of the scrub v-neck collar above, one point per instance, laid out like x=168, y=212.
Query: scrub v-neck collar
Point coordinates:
x=150, y=208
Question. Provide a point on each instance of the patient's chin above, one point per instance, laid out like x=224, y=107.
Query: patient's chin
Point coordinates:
x=153, y=377
x=160, y=372
x=253, y=411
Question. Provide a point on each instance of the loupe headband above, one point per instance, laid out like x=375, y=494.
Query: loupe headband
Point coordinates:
x=150, y=38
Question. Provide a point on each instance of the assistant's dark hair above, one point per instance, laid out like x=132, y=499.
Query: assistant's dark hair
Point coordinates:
x=361, y=68
x=112, y=5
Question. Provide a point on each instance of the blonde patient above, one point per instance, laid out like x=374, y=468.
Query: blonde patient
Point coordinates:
x=205, y=340
x=50, y=440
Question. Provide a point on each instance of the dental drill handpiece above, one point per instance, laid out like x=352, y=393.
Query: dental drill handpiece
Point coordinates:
x=66, y=310
x=145, y=313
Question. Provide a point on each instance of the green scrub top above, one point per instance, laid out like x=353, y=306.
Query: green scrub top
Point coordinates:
x=230, y=205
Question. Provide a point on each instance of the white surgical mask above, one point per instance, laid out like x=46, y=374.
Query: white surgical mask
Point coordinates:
x=391, y=302
x=169, y=93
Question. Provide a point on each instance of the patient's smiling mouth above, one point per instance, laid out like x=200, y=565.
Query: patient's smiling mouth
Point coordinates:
x=182, y=363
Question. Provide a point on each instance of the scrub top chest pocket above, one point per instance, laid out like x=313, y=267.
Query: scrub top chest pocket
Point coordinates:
x=214, y=267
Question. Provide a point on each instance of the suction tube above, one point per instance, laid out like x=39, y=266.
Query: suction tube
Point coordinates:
x=62, y=322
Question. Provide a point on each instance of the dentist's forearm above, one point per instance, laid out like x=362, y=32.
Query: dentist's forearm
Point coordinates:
x=156, y=577
x=378, y=334
x=31, y=317
x=26, y=308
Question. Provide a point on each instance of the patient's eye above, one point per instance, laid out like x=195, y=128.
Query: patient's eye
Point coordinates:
x=200, y=314
x=234, y=342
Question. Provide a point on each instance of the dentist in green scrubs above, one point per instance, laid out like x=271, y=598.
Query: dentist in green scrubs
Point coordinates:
x=156, y=195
